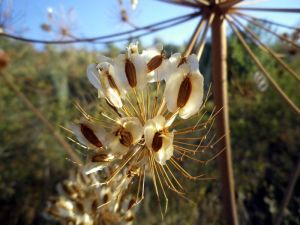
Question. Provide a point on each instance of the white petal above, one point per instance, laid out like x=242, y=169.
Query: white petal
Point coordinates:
x=196, y=98
x=149, y=132
x=93, y=76
x=141, y=70
x=115, y=144
x=119, y=66
x=166, y=151
x=159, y=122
x=172, y=68
x=172, y=90
x=151, y=127
x=159, y=73
x=134, y=126
x=97, y=130
x=76, y=130
x=110, y=92
x=113, y=97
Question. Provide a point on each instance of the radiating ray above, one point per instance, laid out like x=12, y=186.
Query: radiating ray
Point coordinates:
x=280, y=37
x=279, y=10
x=262, y=68
x=269, y=50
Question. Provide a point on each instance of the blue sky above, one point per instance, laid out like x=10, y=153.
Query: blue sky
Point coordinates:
x=100, y=17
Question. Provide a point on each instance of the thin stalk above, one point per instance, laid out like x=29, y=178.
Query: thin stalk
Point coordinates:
x=202, y=40
x=279, y=10
x=194, y=36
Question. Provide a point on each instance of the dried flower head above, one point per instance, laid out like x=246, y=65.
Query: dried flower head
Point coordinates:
x=81, y=203
x=150, y=119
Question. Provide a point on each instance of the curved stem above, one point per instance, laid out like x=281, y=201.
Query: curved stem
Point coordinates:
x=42, y=118
x=93, y=39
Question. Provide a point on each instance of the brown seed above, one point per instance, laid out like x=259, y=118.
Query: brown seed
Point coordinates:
x=130, y=73
x=89, y=134
x=126, y=138
x=184, y=93
x=154, y=63
x=157, y=141
x=112, y=83
x=100, y=158
x=105, y=198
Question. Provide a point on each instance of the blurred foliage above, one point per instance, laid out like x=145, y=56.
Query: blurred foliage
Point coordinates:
x=265, y=137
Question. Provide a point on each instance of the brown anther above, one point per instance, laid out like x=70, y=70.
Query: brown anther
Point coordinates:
x=157, y=141
x=154, y=63
x=130, y=73
x=184, y=93
x=182, y=61
x=125, y=137
x=89, y=134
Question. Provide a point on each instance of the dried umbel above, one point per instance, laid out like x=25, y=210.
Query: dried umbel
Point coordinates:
x=81, y=203
x=150, y=119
